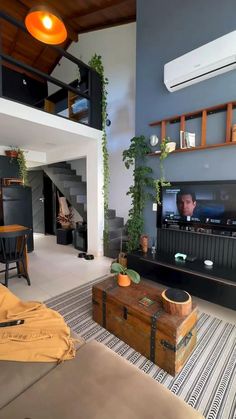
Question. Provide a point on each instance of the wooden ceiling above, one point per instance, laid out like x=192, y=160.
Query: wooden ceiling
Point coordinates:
x=79, y=17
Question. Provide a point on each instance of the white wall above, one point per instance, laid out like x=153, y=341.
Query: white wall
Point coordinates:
x=117, y=47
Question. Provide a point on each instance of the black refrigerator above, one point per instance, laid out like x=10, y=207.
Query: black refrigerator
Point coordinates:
x=16, y=208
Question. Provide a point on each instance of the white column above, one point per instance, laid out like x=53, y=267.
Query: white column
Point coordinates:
x=95, y=201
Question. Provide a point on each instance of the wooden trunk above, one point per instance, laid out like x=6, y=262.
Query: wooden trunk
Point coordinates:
x=165, y=339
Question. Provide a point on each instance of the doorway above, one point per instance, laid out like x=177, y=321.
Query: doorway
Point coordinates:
x=43, y=202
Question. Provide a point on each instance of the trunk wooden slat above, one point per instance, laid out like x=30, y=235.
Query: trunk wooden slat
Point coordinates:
x=165, y=339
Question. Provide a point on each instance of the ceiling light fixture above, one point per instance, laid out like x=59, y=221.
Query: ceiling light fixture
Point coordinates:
x=46, y=25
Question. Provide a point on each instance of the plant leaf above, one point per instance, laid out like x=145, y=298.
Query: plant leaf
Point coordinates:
x=133, y=275
x=117, y=268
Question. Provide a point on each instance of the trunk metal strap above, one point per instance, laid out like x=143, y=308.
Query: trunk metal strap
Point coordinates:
x=153, y=334
x=104, y=299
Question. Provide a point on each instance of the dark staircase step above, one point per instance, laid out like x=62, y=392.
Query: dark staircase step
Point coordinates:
x=60, y=165
x=81, y=199
x=111, y=213
x=75, y=178
x=116, y=222
x=74, y=184
x=62, y=170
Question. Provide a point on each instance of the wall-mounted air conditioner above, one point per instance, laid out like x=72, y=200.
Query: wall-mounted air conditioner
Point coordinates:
x=204, y=62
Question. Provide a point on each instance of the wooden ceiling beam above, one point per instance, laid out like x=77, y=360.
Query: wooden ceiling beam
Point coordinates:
x=122, y=21
x=72, y=35
x=14, y=42
x=37, y=59
x=95, y=9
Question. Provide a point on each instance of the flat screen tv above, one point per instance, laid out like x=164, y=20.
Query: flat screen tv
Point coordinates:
x=211, y=205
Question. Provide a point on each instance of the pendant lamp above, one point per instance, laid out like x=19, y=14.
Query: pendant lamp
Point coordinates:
x=45, y=24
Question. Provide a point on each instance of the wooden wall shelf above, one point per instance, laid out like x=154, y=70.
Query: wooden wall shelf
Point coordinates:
x=203, y=114
x=206, y=147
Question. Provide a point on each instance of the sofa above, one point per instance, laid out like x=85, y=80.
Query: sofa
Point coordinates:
x=96, y=384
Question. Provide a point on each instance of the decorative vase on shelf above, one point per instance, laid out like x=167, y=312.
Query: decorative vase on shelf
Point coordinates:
x=144, y=243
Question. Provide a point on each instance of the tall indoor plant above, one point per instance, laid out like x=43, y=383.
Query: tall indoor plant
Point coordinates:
x=134, y=156
x=97, y=65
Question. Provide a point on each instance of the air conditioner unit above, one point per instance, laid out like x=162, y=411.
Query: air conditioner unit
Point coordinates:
x=204, y=62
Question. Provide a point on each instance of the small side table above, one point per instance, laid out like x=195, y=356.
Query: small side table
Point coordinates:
x=64, y=235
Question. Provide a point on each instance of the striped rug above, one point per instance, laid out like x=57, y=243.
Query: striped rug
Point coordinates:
x=207, y=381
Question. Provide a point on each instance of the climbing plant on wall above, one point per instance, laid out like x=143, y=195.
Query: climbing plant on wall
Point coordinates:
x=96, y=64
x=139, y=192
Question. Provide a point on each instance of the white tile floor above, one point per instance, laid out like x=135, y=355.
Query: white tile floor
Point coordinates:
x=54, y=269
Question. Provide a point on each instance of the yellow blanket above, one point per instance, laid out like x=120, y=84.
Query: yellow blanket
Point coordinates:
x=44, y=336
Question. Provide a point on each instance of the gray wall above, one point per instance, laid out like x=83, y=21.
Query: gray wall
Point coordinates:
x=166, y=30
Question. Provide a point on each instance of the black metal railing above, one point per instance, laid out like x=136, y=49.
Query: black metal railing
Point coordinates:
x=81, y=99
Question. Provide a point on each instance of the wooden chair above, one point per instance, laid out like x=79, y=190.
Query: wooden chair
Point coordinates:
x=12, y=248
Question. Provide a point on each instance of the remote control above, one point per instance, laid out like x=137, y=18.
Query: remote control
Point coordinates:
x=11, y=323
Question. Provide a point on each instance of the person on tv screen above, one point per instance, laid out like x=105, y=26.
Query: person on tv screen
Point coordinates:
x=186, y=202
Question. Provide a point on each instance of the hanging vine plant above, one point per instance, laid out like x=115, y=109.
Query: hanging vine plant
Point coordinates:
x=162, y=182
x=23, y=173
x=96, y=64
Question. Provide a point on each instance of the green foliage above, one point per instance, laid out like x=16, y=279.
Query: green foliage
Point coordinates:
x=161, y=182
x=158, y=184
x=23, y=173
x=139, y=191
x=96, y=64
x=117, y=268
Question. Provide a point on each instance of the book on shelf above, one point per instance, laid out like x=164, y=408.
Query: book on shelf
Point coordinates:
x=187, y=139
x=182, y=140
x=190, y=139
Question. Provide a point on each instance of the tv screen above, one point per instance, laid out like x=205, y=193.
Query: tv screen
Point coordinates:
x=208, y=204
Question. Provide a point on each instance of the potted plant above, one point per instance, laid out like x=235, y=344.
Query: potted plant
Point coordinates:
x=65, y=219
x=17, y=153
x=124, y=275
x=12, y=152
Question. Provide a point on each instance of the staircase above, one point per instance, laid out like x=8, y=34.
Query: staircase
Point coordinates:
x=70, y=185
x=116, y=233
x=74, y=189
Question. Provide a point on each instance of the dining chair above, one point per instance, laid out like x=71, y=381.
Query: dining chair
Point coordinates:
x=12, y=250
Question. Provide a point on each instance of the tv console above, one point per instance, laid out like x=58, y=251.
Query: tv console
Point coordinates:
x=216, y=284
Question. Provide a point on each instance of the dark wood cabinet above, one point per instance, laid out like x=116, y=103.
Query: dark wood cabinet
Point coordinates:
x=216, y=284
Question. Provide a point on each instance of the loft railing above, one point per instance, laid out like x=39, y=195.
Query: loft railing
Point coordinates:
x=79, y=100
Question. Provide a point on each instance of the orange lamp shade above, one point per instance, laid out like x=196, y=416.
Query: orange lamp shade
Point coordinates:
x=46, y=25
